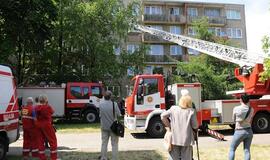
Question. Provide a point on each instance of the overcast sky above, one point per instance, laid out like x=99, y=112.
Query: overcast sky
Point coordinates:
x=257, y=20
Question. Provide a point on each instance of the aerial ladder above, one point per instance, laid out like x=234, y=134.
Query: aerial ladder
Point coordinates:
x=251, y=65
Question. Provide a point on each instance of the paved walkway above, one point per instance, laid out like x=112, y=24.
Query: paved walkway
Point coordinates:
x=91, y=142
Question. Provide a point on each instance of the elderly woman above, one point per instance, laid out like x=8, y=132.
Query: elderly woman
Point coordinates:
x=44, y=122
x=182, y=124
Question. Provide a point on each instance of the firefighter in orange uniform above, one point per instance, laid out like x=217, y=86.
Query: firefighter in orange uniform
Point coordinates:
x=44, y=122
x=29, y=130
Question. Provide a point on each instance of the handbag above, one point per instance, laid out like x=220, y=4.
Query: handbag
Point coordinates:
x=117, y=128
x=168, y=140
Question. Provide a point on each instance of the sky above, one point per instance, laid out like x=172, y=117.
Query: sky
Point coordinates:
x=257, y=20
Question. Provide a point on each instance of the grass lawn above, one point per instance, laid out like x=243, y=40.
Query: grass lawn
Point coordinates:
x=77, y=127
x=258, y=152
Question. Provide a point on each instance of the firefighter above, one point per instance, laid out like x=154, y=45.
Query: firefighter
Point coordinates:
x=47, y=131
x=29, y=130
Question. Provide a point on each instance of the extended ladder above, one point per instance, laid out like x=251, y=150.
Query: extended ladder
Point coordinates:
x=223, y=52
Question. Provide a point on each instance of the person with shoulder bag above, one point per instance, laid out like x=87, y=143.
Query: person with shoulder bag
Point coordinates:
x=242, y=116
x=182, y=123
x=109, y=112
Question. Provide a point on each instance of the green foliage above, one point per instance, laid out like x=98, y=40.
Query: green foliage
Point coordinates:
x=266, y=46
x=211, y=72
x=66, y=40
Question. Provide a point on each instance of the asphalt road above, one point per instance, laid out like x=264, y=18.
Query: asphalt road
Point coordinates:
x=91, y=142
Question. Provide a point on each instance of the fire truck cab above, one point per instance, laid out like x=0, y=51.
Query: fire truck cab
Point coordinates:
x=147, y=102
x=9, y=113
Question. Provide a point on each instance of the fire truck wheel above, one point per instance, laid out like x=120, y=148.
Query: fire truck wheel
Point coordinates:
x=261, y=123
x=90, y=116
x=3, y=147
x=156, y=128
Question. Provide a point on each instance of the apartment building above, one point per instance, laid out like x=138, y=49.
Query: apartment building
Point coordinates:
x=226, y=20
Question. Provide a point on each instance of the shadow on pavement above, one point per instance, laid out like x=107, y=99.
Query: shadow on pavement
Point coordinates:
x=123, y=155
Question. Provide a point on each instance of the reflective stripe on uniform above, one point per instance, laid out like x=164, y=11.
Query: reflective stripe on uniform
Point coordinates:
x=54, y=151
x=26, y=150
x=34, y=150
x=41, y=152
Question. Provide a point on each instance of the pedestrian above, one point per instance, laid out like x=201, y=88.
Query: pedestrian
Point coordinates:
x=242, y=116
x=106, y=120
x=29, y=130
x=44, y=122
x=182, y=125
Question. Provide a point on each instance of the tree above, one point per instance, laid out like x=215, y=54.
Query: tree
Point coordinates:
x=66, y=40
x=211, y=72
x=25, y=29
x=266, y=46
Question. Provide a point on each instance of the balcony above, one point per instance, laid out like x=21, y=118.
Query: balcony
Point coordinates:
x=152, y=39
x=155, y=18
x=148, y=18
x=162, y=59
x=219, y=21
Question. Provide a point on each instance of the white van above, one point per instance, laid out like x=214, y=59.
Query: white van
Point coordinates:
x=9, y=111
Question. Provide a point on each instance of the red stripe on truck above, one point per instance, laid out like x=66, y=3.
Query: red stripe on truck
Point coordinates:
x=231, y=101
x=5, y=73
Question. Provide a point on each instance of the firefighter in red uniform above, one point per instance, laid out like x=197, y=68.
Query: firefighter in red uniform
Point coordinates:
x=30, y=131
x=44, y=122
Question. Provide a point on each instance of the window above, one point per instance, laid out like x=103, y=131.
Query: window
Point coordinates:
x=175, y=30
x=233, y=14
x=135, y=10
x=175, y=50
x=157, y=10
x=213, y=12
x=85, y=93
x=151, y=86
x=193, y=52
x=158, y=70
x=156, y=50
x=174, y=11
x=234, y=32
x=117, y=50
x=130, y=71
x=191, y=31
x=148, y=70
x=156, y=27
x=131, y=48
x=76, y=92
x=216, y=31
x=192, y=12
x=96, y=91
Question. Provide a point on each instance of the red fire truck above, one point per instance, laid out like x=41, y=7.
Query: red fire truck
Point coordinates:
x=72, y=100
x=147, y=100
x=9, y=113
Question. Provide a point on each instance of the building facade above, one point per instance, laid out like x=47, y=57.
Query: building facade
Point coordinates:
x=225, y=20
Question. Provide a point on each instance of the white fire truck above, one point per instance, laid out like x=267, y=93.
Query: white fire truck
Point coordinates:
x=147, y=100
x=72, y=100
x=9, y=113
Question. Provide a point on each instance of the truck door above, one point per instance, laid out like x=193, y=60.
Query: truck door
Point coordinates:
x=148, y=95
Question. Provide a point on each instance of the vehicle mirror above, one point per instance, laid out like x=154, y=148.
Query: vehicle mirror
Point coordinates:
x=140, y=91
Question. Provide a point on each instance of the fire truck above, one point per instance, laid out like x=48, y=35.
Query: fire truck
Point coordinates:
x=79, y=100
x=9, y=113
x=147, y=100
